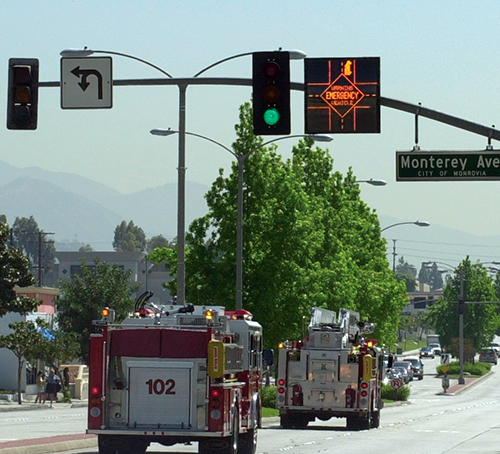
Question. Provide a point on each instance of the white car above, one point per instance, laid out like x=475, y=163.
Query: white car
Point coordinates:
x=436, y=348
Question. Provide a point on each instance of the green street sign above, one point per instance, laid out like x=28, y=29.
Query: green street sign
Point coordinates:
x=481, y=165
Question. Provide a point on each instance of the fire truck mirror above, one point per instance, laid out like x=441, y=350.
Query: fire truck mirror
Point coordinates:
x=268, y=357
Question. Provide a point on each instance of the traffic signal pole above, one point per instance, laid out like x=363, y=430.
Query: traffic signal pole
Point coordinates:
x=184, y=82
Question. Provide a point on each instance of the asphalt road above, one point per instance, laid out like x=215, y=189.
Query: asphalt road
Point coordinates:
x=431, y=423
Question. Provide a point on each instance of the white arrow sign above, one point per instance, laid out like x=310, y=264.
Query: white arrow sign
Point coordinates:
x=86, y=83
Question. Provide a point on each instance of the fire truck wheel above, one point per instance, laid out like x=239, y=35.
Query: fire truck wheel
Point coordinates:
x=375, y=422
x=248, y=443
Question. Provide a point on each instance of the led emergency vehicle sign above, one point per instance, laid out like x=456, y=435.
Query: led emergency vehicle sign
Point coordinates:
x=342, y=95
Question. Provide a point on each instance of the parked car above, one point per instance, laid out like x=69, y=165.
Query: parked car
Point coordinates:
x=436, y=348
x=427, y=352
x=404, y=371
x=488, y=355
x=406, y=365
x=495, y=346
x=417, y=366
x=392, y=374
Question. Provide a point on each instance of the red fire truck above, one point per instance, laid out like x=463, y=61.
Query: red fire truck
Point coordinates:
x=176, y=374
x=333, y=372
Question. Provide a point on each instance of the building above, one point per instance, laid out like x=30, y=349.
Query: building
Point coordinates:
x=150, y=276
x=46, y=311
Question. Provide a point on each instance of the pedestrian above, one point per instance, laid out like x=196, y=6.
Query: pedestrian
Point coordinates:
x=51, y=383
x=40, y=385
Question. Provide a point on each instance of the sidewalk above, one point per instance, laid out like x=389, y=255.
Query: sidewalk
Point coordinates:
x=49, y=445
x=45, y=445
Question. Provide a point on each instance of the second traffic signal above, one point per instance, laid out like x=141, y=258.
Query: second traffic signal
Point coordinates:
x=22, y=103
x=271, y=93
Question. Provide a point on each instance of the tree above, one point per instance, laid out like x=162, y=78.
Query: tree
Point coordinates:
x=83, y=297
x=309, y=241
x=407, y=273
x=129, y=238
x=14, y=271
x=31, y=240
x=22, y=341
x=480, y=320
x=86, y=248
x=158, y=241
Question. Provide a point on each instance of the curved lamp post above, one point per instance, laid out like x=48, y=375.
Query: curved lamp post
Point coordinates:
x=181, y=168
x=417, y=223
x=241, y=158
x=371, y=181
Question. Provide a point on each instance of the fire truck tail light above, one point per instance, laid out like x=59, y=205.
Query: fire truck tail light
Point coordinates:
x=95, y=412
x=281, y=382
x=364, y=393
x=281, y=390
x=95, y=391
x=364, y=385
x=215, y=393
x=215, y=414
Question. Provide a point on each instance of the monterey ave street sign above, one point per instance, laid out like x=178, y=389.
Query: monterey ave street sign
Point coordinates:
x=86, y=83
x=448, y=165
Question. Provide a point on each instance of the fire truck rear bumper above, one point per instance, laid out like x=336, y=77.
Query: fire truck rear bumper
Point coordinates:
x=182, y=434
x=325, y=412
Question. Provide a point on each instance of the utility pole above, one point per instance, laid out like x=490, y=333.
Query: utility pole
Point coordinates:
x=394, y=256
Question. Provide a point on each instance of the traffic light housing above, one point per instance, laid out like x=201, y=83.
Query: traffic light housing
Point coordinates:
x=22, y=98
x=271, y=93
x=461, y=305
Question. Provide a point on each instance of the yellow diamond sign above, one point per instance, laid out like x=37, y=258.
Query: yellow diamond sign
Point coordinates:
x=342, y=95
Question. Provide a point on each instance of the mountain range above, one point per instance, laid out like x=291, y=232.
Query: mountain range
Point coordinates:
x=80, y=211
x=77, y=210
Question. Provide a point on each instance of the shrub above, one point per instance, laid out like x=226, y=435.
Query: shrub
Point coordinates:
x=269, y=396
x=389, y=393
x=473, y=369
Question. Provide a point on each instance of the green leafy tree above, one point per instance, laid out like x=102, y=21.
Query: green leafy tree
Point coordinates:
x=129, y=238
x=158, y=241
x=309, y=241
x=407, y=273
x=22, y=341
x=86, y=248
x=57, y=346
x=83, y=296
x=14, y=270
x=480, y=320
x=27, y=237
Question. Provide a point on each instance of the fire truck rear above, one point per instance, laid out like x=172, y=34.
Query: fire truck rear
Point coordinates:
x=333, y=372
x=176, y=374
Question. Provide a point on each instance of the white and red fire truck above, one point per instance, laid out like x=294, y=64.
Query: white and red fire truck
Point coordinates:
x=176, y=374
x=333, y=372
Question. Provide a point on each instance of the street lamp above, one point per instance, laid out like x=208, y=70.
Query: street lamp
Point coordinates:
x=371, y=181
x=417, y=223
x=241, y=158
x=181, y=168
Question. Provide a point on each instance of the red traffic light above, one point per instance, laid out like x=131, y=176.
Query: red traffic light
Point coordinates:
x=22, y=103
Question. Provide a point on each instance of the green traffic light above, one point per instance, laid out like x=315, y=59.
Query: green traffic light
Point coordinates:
x=271, y=116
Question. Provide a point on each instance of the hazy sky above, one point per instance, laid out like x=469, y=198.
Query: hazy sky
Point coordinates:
x=444, y=55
